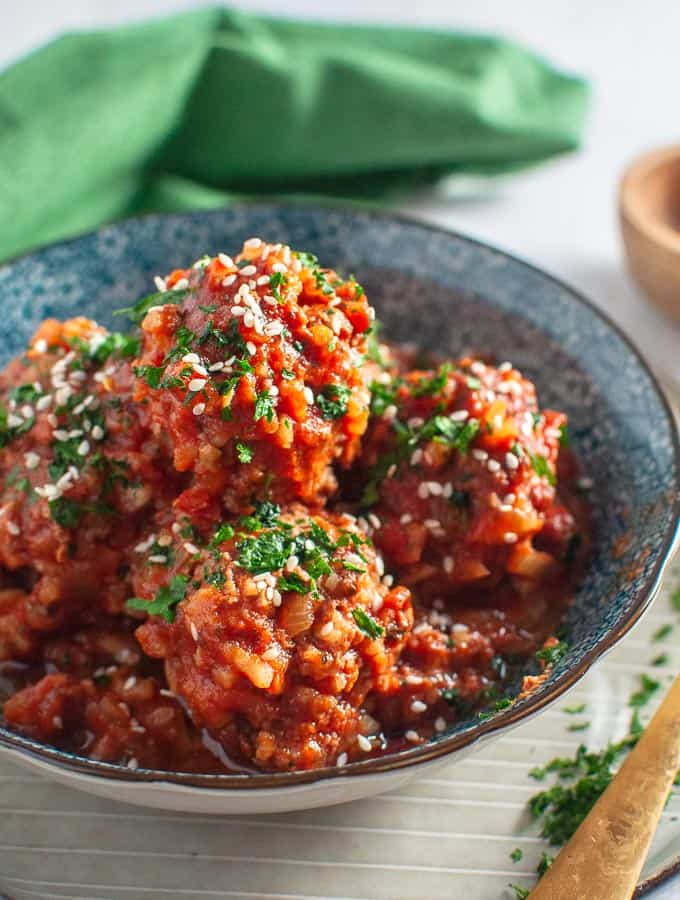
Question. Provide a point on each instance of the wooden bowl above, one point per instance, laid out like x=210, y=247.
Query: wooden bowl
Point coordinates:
x=649, y=210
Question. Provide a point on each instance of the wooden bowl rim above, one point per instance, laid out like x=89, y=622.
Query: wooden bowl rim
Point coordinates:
x=631, y=198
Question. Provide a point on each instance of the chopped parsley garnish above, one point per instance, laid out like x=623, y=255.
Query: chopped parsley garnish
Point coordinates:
x=65, y=512
x=264, y=552
x=648, y=687
x=520, y=892
x=661, y=633
x=564, y=435
x=473, y=383
x=264, y=406
x=427, y=387
x=574, y=710
x=498, y=706
x=266, y=514
x=225, y=532
x=373, y=345
x=332, y=400
x=383, y=395
x=25, y=393
x=661, y=660
x=276, y=282
x=244, y=453
x=456, y=435
x=165, y=601
x=287, y=375
x=367, y=624
x=123, y=344
x=675, y=599
x=549, y=656
x=516, y=855
x=137, y=311
x=352, y=567
x=216, y=579
x=544, y=864
x=151, y=374
x=541, y=467
x=291, y=581
x=579, y=726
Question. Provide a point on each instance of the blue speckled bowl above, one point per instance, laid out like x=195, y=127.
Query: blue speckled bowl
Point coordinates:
x=449, y=294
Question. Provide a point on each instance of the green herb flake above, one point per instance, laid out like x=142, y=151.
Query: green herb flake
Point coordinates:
x=574, y=710
x=244, y=453
x=264, y=406
x=165, y=601
x=291, y=581
x=138, y=311
x=542, y=468
x=579, y=726
x=351, y=567
x=332, y=400
x=551, y=655
x=648, y=687
x=661, y=660
x=564, y=438
x=520, y=892
x=675, y=599
x=65, y=512
x=367, y=624
x=661, y=633
x=516, y=855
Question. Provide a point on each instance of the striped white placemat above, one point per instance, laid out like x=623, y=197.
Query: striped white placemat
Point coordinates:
x=443, y=837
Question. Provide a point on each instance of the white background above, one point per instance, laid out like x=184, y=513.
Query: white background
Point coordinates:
x=562, y=215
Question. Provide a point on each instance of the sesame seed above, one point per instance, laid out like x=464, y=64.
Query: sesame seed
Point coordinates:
x=291, y=563
x=43, y=403
x=412, y=736
x=477, y=368
x=253, y=243
x=413, y=679
x=432, y=524
x=57, y=721
x=226, y=261
x=509, y=499
x=158, y=559
x=341, y=760
x=199, y=409
x=164, y=540
x=133, y=764
x=61, y=435
x=83, y=448
x=273, y=328
x=440, y=724
x=130, y=683
x=493, y=465
x=510, y=537
x=263, y=279
x=392, y=471
x=40, y=346
x=251, y=348
x=197, y=384
x=406, y=518
x=418, y=706
x=216, y=367
x=374, y=520
x=277, y=599
x=481, y=455
x=194, y=631
x=191, y=549
x=309, y=395
x=13, y=528
x=436, y=489
x=246, y=271
x=31, y=459
x=447, y=490
x=416, y=456
x=390, y=411
x=161, y=286
x=326, y=629
x=191, y=358
x=585, y=484
x=271, y=652
x=363, y=743
x=279, y=267
x=460, y=415
x=505, y=367
x=388, y=580
x=424, y=490
x=164, y=692
x=181, y=284
x=448, y=564
x=14, y=421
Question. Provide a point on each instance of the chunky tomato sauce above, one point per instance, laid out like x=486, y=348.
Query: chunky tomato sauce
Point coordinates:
x=247, y=536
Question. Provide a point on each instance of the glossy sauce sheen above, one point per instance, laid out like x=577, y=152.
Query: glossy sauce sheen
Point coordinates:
x=250, y=537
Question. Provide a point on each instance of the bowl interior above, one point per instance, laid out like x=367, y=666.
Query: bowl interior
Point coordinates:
x=448, y=294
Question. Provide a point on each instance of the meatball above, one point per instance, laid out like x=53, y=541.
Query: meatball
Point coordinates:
x=278, y=629
x=251, y=371
x=458, y=475
x=78, y=475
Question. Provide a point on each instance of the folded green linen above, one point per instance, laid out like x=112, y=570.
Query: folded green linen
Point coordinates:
x=186, y=112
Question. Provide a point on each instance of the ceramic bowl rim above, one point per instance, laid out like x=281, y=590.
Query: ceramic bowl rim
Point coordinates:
x=428, y=752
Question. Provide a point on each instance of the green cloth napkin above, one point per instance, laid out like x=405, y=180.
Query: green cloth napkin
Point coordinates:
x=185, y=112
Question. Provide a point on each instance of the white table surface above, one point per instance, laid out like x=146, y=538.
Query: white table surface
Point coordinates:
x=562, y=215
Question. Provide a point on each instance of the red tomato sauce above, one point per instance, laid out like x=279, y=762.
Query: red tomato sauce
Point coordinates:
x=249, y=537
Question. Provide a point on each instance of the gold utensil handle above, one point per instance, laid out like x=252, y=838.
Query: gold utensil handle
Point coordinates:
x=603, y=859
